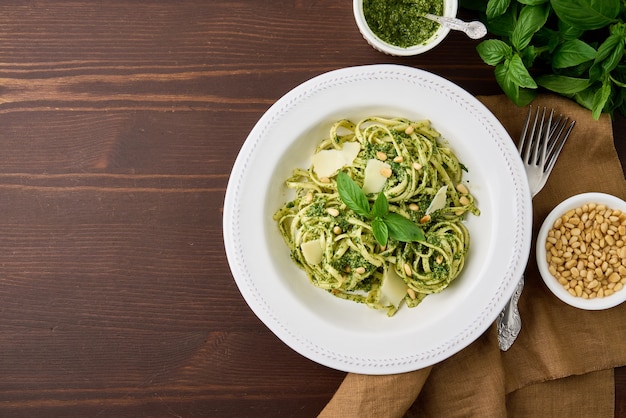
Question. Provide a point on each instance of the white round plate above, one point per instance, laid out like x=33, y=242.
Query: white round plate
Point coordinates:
x=344, y=335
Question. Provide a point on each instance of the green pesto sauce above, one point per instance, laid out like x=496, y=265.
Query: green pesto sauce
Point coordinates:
x=399, y=22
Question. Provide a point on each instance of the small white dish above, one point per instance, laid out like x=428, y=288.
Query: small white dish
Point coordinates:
x=551, y=282
x=450, y=8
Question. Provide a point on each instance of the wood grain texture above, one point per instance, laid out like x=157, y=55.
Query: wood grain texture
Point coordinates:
x=120, y=124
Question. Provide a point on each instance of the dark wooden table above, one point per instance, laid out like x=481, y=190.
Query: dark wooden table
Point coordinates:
x=119, y=124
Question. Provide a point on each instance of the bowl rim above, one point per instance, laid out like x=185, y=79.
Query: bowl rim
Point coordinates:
x=450, y=10
x=551, y=282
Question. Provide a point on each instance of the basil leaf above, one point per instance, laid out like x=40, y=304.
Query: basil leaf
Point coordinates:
x=380, y=231
x=532, y=2
x=606, y=48
x=562, y=84
x=508, y=86
x=569, y=32
x=531, y=19
x=503, y=25
x=519, y=74
x=352, y=195
x=548, y=37
x=526, y=96
x=578, y=71
x=496, y=8
x=402, y=229
x=600, y=99
x=571, y=53
x=518, y=95
x=528, y=55
x=609, y=54
x=585, y=97
x=494, y=51
x=615, y=57
x=586, y=14
x=380, y=207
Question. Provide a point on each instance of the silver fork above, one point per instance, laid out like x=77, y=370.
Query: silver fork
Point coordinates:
x=540, y=145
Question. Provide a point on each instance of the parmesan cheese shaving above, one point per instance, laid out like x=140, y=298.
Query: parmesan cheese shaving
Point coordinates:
x=439, y=201
x=393, y=288
x=374, y=181
x=312, y=251
x=327, y=162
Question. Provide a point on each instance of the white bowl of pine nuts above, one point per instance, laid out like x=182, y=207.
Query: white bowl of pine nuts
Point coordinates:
x=581, y=251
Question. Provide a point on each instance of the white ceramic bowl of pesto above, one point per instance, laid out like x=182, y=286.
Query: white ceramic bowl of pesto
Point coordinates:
x=450, y=8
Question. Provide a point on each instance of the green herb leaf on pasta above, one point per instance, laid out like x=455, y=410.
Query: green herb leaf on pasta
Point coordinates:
x=352, y=195
x=403, y=229
x=380, y=231
x=381, y=206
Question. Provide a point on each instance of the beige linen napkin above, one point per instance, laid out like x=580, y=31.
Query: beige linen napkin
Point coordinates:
x=562, y=362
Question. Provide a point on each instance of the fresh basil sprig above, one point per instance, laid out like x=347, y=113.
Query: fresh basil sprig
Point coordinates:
x=385, y=224
x=575, y=48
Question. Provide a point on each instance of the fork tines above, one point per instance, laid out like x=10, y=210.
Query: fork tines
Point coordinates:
x=558, y=132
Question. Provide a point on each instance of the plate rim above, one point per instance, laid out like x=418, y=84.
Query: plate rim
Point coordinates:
x=350, y=363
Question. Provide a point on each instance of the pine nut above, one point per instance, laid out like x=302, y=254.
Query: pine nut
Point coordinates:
x=359, y=270
x=579, y=291
x=381, y=156
x=332, y=212
x=462, y=189
x=407, y=270
x=386, y=172
x=614, y=278
x=409, y=130
x=414, y=207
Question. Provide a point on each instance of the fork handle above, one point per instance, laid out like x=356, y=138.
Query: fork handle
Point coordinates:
x=509, y=321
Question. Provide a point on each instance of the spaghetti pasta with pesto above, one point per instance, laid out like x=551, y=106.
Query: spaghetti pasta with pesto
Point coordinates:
x=341, y=249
